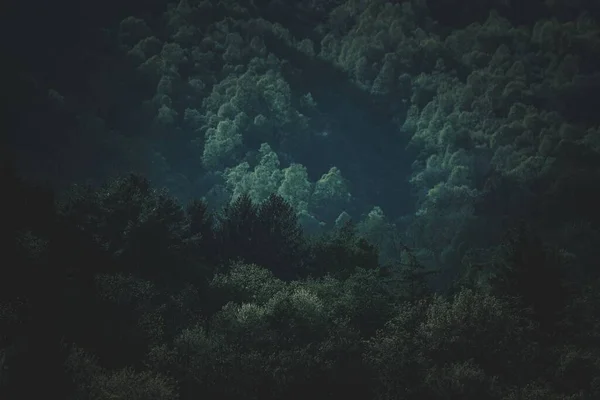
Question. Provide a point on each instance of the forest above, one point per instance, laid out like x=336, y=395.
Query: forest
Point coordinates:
x=325, y=199
x=120, y=292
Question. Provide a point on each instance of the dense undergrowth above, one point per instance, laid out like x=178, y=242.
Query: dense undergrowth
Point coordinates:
x=120, y=292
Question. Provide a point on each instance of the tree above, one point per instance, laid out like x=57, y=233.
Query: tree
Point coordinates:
x=340, y=253
x=267, y=234
x=531, y=274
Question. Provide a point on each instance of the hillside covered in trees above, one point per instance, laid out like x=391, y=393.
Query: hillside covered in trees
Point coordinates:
x=120, y=292
x=327, y=199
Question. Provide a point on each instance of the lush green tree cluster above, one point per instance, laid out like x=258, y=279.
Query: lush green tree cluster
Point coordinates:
x=119, y=292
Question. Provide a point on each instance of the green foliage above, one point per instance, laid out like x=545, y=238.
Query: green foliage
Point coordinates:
x=132, y=304
x=339, y=253
x=533, y=275
x=267, y=234
x=578, y=365
x=199, y=219
x=244, y=283
x=128, y=277
x=479, y=327
x=330, y=194
x=221, y=144
x=395, y=355
x=460, y=380
x=295, y=186
x=139, y=228
x=461, y=348
x=379, y=232
x=364, y=299
x=259, y=183
x=287, y=347
x=410, y=273
x=236, y=226
x=94, y=383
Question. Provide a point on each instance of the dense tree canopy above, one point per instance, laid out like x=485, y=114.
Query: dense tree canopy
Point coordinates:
x=119, y=292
